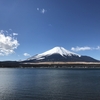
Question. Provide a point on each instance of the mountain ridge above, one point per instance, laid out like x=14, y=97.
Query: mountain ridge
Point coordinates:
x=60, y=54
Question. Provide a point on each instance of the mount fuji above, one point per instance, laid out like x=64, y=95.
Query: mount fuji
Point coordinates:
x=60, y=54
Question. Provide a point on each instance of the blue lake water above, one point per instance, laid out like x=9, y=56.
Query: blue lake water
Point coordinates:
x=49, y=84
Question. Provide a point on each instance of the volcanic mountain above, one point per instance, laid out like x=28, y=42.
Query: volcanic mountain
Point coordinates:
x=60, y=54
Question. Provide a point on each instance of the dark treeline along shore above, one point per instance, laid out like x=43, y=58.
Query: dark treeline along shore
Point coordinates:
x=15, y=64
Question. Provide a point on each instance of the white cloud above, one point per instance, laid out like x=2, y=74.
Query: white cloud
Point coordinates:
x=6, y=31
x=10, y=29
x=15, y=33
x=81, y=48
x=1, y=54
x=7, y=44
x=85, y=48
x=26, y=54
x=98, y=48
x=43, y=11
x=38, y=9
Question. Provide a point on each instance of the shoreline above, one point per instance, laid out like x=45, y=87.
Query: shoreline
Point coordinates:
x=14, y=64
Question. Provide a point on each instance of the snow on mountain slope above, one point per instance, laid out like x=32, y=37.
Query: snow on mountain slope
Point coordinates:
x=56, y=50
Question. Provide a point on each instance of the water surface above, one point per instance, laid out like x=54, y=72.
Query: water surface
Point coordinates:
x=49, y=84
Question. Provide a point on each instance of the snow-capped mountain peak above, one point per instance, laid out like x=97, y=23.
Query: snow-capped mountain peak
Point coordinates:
x=59, y=50
x=56, y=50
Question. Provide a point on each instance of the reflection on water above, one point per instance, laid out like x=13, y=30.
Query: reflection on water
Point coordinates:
x=49, y=84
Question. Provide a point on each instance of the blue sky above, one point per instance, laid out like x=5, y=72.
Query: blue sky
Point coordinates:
x=29, y=27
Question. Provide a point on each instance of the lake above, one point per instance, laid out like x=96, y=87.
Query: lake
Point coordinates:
x=49, y=84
